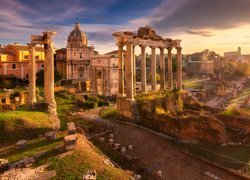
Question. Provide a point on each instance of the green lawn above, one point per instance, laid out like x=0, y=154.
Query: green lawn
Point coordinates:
x=22, y=124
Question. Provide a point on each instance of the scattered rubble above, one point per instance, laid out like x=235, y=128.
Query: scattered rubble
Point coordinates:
x=211, y=175
x=69, y=142
x=21, y=144
x=71, y=128
x=90, y=175
x=50, y=135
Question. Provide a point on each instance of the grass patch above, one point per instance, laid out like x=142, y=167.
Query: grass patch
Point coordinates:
x=84, y=158
x=108, y=112
x=22, y=125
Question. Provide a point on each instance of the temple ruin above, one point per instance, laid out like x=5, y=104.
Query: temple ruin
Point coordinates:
x=47, y=40
x=146, y=37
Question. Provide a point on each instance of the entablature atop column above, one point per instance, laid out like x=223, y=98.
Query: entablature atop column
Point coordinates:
x=145, y=36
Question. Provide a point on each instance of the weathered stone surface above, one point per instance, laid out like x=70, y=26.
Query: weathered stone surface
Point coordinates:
x=4, y=163
x=69, y=142
x=90, y=175
x=46, y=175
x=101, y=139
x=28, y=161
x=117, y=146
x=111, y=136
x=108, y=162
x=71, y=128
x=130, y=147
x=21, y=144
x=123, y=150
x=50, y=135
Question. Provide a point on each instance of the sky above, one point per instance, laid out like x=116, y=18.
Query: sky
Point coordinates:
x=218, y=25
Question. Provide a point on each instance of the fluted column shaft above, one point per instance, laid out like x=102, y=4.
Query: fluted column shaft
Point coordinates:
x=170, y=69
x=153, y=69
x=162, y=68
x=121, y=70
x=129, y=71
x=179, y=68
x=32, y=74
x=143, y=69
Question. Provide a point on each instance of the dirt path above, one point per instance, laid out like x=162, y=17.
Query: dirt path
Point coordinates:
x=155, y=153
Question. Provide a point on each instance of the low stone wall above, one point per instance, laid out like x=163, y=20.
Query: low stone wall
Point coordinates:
x=188, y=127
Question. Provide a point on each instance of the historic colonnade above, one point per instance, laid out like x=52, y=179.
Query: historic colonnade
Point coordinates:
x=146, y=37
x=47, y=41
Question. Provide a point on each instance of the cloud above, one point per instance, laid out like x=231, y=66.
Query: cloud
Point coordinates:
x=193, y=15
x=200, y=32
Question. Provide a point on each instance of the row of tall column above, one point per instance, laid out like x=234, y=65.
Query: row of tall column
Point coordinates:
x=130, y=66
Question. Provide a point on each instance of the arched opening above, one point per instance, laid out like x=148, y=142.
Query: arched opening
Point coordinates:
x=81, y=72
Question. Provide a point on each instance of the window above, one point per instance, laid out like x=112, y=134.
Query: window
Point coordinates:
x=42, y=65
x=74, y=53
x=26, y=57
x=37, y=57
x=27, y=76
x=13, y=66
x=80, y=55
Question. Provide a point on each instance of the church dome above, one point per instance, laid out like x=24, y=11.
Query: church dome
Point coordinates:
x=77, y=38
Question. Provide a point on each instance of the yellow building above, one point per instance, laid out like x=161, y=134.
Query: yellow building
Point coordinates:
x=14, y=60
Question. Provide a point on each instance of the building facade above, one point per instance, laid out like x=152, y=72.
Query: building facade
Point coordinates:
x=201, y=63
x=14, y=60
x=73, y=62
x=104, y=74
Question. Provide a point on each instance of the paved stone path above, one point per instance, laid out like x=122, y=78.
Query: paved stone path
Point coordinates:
x=155, y=153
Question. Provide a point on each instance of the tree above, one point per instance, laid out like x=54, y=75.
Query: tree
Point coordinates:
x=40, y=77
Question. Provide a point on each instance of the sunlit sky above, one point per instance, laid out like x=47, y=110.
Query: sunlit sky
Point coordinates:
x=219, y=25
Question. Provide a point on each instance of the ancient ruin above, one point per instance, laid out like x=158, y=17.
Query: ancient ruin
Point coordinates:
x=145, y=37
x=47, y=40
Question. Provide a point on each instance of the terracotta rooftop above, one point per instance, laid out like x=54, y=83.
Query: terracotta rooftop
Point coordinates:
x=26, y=48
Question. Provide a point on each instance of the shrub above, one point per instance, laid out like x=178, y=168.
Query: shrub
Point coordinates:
x=108, y=112
x=159, y=110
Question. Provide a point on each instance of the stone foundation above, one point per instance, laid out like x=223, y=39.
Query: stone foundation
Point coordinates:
x=127, y=108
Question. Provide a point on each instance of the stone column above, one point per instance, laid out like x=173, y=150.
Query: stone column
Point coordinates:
x=162, y=68
x=49, y=64
x=170, y=69
x=134, y=69
x=153, y=69
x=143, y=70
x=120, y=70
x=32, y=74
x=95, y=81
x=129, y=72
x=179, y=68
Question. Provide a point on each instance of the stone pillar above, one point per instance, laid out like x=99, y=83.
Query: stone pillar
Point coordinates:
x=143, y=70
x=153, y=69
x=170, y=69
x=179, y=68
x=162, y=68
x=49, y=64
x=120, y=70
x=134, y=69
x=129, y=72
x=32, y=74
